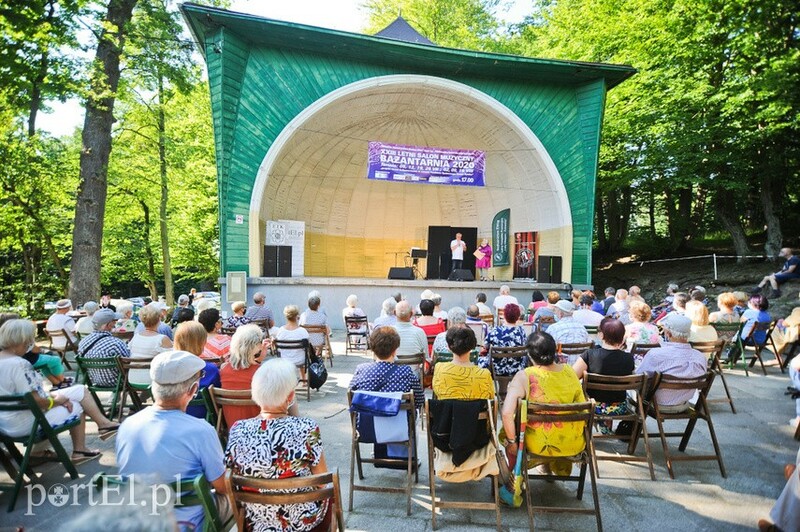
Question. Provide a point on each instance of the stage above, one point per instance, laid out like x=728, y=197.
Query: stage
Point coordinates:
x=282, y=291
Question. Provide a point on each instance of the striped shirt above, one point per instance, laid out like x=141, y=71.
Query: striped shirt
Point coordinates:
x=412, y=339
x=101, y=344
x=677, y=360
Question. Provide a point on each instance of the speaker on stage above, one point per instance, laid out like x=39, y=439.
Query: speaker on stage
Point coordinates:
x=403, y=274
x=549, y=270
x=461, y=275
x=277, y=261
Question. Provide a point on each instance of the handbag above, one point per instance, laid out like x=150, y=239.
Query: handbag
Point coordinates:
x=317, y=373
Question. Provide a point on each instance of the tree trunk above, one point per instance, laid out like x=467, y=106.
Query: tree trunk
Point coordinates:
x=725, y=207
x=602, y=242
x=651, y=213
x=87, y=235
x=162, y=208
x=148, y=251
x=774, y=234
x=36, y=83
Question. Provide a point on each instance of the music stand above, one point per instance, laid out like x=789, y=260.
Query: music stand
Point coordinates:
x=416, y=254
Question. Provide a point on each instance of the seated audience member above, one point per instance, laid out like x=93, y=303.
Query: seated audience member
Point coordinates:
x=701, y=330
x=794, y=378
x=566, y=330
x=741, y=302
x=576, y=298
x=726, y=302
x=288, y=446
x=635, y=294
x=474, y=318
x=756, y=312
x=101, y=344
x=504, y=298
x=387, y=316
x=785, y=512
x=547, y=381
x=619, y=308
x=293, y=332
x=237, y=319
x=608, y=359
x=412, y=338
x=428, y=322
x=548, y=311
x=313, y=316
x=461, y=379
x=665, y=306
x=677, y=358
x=248, y=349
x=384, y=375
x=217, y=344
x=84, y=325
x=398, y=297
x=59, y=321
x=640, y=330
x=18, y=377
x=162, y=443
x=788, y=272
x=480, y=301
x=183, y=302
x=145, y=345
x=537, y=301
x=191, y=337
x=455, y=318
x=352, y=310
x=185, y=314
x=105, y=301
x=679, y=301
x=259, y=311
x=48, y=364
x=163, y=328
x=585, y=315
x=126, y=322
x=609, y=299
x=437, y=307
x=698, y=293
x=510, y=334
x=202, y=303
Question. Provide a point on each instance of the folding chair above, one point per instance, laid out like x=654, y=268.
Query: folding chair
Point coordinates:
x=69, y=345
x=408, y=409
x=91, y=366
x=324, y=350
x=128, y=389
x=277, y=345
x=501, y=381
x=250, y=490
x=41, y=430
x=488, y=319
x=416, y=361
x=714, y=352
x=477, y=328
x=632, y=383
x=692, y=414
x=195, y=491
x=501, y=317
x=543, y=322
x=742, y=346
x=219, y=398
x=125, y=336
x=541, y=413
x=640, y=349
x=491, y=410
x=357, y=329
x=569, y=353
x=229, y=331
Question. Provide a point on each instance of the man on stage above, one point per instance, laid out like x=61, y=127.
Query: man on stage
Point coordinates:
x=457, y=247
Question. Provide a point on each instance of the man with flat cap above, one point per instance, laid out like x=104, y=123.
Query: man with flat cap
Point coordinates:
x=163, y=444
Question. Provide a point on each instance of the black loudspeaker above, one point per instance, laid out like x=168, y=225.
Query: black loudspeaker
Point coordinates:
x=403, y=274
x=461, y=275
x=549, y=270
x=277, y=261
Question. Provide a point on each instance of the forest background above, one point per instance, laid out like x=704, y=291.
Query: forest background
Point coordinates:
x=699, y=149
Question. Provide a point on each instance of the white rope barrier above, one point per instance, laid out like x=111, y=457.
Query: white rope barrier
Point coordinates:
x=713, y=256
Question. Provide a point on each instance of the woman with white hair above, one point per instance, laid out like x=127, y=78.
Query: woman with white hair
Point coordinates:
x=147, y=344
x=17, y=376
x=126, y=323
x=84, y=326
x=352, y=310
x=387, y=316
x=237, y=319
x=292, y=332
x=456, y=317
x=275, y=444
x=313, y=316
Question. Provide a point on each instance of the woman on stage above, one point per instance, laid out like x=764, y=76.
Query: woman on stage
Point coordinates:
x=484, y=263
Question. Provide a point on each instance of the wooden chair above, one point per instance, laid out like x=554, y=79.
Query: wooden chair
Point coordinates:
x=447, y=356
x=487, y=319
x=229, y=331
x=356, y=330
x=540, y=413
x=632, y=383
x=569, y=353
x=41, y=430
x=69, y=345
x=219, y=398
x=250, y=490
x=497, y=353
x=277, y=345
x=408, y=409
x=592, y=329
x=477, y=328
x=713, y=351
x=128, y=389
x=324, y=350
x=416, y=361
x=692, y=414
x=86, y=368
x=640, y=349
x=501, y=317
x=491, y=410
x=543, y=322
x=125, y=336
x=195, y=491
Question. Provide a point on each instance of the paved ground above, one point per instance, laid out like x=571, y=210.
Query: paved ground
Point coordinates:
x=756, y=443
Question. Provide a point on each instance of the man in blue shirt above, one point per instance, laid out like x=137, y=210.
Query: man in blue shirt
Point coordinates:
x=163, y=444
x=789, y=271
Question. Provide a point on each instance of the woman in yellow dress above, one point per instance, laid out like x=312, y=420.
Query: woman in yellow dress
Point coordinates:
x=461, y=379
x=547, y=381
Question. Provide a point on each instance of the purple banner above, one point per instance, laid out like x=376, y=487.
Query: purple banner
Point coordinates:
x=418, y=164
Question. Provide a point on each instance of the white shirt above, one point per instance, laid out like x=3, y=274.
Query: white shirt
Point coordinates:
x=503, y=300
x=458, y=247
x=588, y=317
x=483, y=308
x=57, y=322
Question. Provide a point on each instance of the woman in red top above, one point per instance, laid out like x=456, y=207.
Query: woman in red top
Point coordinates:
x=248, y=347
x=428, y=322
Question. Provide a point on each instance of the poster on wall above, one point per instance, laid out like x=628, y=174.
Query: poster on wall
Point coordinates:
x=500, y=240
x=289, y=233
x=423, y=164
x=525, y=253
